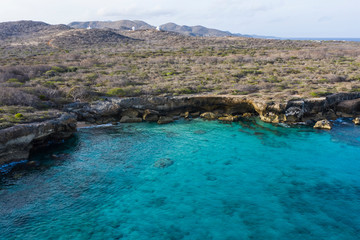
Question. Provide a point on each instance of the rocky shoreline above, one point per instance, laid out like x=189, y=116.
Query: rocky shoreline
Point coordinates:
x=16, y=142
x=155, y=109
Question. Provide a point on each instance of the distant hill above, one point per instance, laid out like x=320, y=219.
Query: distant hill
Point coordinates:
x=83, y=38
x=118, y=25
x=195, y=30
x=141, y=25
x=27, y=29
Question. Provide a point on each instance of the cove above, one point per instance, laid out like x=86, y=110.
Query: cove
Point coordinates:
x=245, y=180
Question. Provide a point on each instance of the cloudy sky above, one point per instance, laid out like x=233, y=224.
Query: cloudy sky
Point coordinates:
x=282, y=18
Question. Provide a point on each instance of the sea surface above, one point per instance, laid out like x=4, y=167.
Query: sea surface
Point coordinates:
x=189, y=180
x=327, y=39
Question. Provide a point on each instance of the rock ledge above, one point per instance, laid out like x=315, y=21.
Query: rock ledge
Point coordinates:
x=17, y=141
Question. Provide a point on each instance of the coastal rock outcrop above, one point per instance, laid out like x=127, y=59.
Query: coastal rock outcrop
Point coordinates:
x=212, y=107
x=17, y=141
x=150, y=116
x=127, y=119
x=229, y=118
x=349, y=106
x=323, y=124
x=209, y=116
x=165, y=120
x=356, y=121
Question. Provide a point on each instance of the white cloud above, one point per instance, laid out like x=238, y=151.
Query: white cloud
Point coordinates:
x=133, y=12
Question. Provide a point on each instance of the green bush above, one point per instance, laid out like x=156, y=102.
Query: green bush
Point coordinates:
x=72, y=69
x=186, y=90
x=19, y=116
x=116, y=92
x=43, y=97
x=249, y=71
x=91, y=77
x=320, y=94
x=15, y=80
x=352, y=90
x=50, y=73
x=170, y=73
x=58, y=69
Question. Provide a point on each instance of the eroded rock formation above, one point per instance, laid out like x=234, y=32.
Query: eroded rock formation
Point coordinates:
x=17, y=141
x=323, y=124
x=214, y=107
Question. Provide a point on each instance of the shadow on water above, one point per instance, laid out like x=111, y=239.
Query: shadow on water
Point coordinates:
x=346, y=132
x=272, y=135
x=40, y=159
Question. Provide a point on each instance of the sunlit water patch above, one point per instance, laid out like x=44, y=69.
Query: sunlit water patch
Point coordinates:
x=189, y=180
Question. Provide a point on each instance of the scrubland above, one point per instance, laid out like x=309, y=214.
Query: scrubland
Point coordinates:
x=38, y=78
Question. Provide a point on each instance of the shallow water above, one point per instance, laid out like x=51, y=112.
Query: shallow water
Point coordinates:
x=247, y=180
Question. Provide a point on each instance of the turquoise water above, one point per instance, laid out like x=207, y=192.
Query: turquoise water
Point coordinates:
x=247, y=180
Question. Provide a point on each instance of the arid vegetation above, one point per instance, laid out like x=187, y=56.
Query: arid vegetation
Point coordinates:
x=46, y=73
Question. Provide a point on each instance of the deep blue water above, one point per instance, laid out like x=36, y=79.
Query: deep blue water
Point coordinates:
x=248, y=180
x=327, y=39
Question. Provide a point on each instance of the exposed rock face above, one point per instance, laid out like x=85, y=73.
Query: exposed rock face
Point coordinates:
x=186, y=115
x=356, y=121
x=165, y=120
x=131, y=113
x=247, y=115
x=195, y=114
x=213, y=107
x=209, y=116
x=229, y=118
x=127, y=119
x=17, y=141
x=150, y=116
x=349, y=106
x=323, y=124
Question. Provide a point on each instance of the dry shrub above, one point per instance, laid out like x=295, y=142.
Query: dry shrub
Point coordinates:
x=43, y=92
x=82, y=93
x=22, y=73
x=13, y=96
x=335, y=78
x=246, y=89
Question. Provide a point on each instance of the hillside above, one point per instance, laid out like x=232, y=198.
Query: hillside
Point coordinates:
x=49, y=66
x=76, y=38
x=124, y=25
x=28, y=29
x=35, y=37
x=195, y=30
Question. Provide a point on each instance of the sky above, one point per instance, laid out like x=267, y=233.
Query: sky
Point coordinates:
x=281, y=18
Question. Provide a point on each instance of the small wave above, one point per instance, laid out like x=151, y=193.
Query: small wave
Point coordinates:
x=4, y=169
x=96, y=126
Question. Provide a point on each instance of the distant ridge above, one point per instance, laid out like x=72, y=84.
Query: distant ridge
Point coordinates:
x=195, y=30
x=325, y=39
x=124, y=25
x=35, y=29
x=118, y=25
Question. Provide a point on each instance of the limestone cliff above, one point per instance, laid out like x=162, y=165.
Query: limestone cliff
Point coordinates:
x=300, y=110
x=17, y=141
